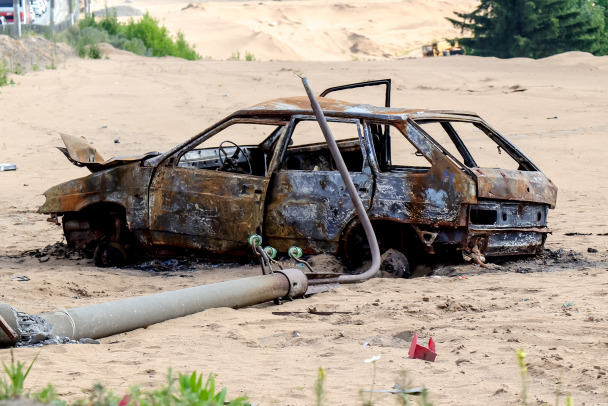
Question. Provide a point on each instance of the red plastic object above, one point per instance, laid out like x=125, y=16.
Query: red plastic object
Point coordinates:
x=420, y=352
x=125, y=400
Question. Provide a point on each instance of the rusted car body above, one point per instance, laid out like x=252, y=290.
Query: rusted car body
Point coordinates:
x=421, y=174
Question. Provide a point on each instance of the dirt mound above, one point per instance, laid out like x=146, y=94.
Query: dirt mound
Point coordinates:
x=33, y=53
x=362, y=45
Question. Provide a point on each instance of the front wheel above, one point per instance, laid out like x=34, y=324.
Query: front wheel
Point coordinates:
x=108, y=254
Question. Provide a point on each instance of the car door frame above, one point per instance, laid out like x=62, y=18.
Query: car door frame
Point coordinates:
x=292, y=219
x=212, y=231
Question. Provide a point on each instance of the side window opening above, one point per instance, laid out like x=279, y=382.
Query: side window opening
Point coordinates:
x=308, y=151
x=240, y=147
x=484, y=150
x=470, y=143
x=394, y=152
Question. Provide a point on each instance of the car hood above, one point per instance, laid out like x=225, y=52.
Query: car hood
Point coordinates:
x=80, y=152
x=524, y=186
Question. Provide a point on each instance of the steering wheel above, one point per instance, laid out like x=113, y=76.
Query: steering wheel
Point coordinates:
x=230, y=163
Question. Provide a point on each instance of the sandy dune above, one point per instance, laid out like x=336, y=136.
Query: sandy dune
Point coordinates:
x=553, y=307
x=307, y=29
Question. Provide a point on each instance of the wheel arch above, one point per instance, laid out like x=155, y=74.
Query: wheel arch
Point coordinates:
x=390, y=233
x=94, y=222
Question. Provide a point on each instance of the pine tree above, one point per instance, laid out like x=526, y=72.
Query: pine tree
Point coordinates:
x=603, y=38
x=532, y=28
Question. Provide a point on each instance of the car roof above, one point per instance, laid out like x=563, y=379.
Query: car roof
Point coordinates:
x=334, y=107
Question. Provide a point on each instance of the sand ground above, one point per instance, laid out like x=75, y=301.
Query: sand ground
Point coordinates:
x=554, y=307
x=302, y=29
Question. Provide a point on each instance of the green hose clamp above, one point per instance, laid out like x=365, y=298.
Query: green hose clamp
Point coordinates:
x=255, y=240
x=295, y=252
x=270, y=251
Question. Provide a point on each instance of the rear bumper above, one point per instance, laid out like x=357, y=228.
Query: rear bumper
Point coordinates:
x=511, y=241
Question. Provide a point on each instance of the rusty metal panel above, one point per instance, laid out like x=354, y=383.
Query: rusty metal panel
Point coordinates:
x=531, y=186
x=80, y=150
x=501, y=214
x=432, y=198
x=508, y=242
x=311, y=208
x=205, y=210
x=125, y=185
x=301, y=105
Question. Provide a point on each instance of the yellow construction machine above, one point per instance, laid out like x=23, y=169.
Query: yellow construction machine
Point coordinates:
x=442, y=48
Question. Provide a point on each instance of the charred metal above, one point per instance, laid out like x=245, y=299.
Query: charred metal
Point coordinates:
x=422, y=176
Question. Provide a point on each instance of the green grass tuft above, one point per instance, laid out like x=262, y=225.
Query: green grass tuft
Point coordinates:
x=13, y=387
x=143, y=37
x=3, y=74
x=192, y=390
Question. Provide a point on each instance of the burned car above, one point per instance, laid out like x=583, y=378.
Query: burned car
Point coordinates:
x=432, y=182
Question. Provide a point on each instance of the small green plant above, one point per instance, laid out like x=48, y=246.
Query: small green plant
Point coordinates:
x=94, y=51
x=49, y=395
x=136, y=46
x=80, y=49
x=13, y=388
x=99, y=396
x=320, y=387
x=3, y=73
x=523, y=370
x=372, y=360
x=18, y=70
x=404, y=392
x=190, y=392
x=236, y=56
x=48, y=34
x=36, y=66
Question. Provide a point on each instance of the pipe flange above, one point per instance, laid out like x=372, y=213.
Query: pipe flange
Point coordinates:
x=9, y=316
x=298, y=282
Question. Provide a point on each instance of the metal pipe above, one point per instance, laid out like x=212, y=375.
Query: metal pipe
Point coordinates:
x=352, y=192
x=106, y=319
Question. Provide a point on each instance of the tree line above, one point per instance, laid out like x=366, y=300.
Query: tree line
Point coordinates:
x=534, y=28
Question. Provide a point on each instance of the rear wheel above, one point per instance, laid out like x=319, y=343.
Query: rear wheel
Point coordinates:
x=399, y=245
x=394, y=264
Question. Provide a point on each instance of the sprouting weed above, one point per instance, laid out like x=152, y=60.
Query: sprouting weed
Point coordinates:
x=372, y=361
x=320, y=386
x=16, y=378
x=523, y=369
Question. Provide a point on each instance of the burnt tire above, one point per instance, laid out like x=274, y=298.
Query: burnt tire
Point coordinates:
x=108, y=254
x=394, y=264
